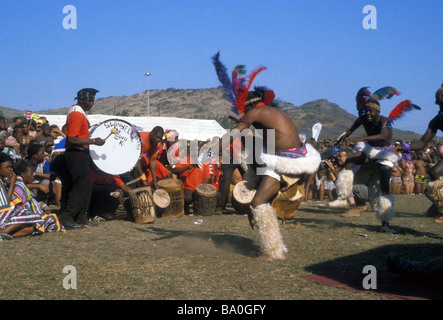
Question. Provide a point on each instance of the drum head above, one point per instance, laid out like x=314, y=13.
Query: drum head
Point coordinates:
x=242, y=194
x=170, y=183
x=206, y=189
x=121, y=150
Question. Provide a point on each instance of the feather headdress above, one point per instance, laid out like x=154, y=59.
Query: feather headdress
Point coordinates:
x=364, y=96
x=224, y=78
x=385, y=92
x=361, y=99
x=238, y=85
x=401, y=109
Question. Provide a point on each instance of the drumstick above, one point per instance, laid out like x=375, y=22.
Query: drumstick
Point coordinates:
x=113, y=131
x=133, y=181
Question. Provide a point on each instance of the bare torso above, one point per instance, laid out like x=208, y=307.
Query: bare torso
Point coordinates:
x=265, y=117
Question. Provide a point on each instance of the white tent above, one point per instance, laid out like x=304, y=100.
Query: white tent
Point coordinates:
x=188, y=129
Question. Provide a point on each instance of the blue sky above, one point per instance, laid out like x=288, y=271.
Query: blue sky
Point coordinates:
x=312, y=49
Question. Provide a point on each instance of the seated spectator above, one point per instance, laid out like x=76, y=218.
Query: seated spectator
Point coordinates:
x=3, y=124
x=2, y=144
x=41, y=188
x=31, y=129
x=23, y=199
x=20, y=134
x=14, y=222
x=12, y=148
x=45, y=135
x=56, y=133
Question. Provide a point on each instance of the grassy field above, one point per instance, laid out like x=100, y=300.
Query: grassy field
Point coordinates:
x=213, y=257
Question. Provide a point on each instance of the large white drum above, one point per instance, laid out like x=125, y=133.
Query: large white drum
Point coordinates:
x=121, y=150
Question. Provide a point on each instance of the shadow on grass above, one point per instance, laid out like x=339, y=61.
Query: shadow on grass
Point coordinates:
x=228, y=242
x=344, y=223
x=347, y=272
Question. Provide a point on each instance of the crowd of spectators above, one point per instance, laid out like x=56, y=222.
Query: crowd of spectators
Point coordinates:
x=409, y=175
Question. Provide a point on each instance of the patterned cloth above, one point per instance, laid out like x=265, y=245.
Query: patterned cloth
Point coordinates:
x=10, y=215
x=293, y=153
x=396, y=181
x=23, y=200
x=18, y=216
x=419, y=178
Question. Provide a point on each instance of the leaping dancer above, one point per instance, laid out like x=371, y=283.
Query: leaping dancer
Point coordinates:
x=292, y=158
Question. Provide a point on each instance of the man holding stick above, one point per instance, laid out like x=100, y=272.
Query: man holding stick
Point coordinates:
x=292, y=157
x=76, y=184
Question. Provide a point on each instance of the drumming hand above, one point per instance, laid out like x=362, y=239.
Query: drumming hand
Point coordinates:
x=98, y=141
x=145, y=183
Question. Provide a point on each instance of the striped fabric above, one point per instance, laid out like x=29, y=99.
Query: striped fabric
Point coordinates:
x=23, y=200
x=18, y=216
x=5, y=204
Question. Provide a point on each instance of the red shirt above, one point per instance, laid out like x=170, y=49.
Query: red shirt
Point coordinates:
x=77, y=126
x=161, y=171
x=195, y=176
x=147, y=148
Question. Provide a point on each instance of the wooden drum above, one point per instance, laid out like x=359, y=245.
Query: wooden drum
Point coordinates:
x=205, y=201
x=242, y=198
x=142, y=205
x=174, y=188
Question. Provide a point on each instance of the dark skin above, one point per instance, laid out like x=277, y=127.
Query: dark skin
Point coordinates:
x=153, y=140
x=15, y=230
x=86, y=105
x=437, y=170
x=381, y=139
x=36, y=159
x=286, y=137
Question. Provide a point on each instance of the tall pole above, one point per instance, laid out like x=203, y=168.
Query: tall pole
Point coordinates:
x=148, y=74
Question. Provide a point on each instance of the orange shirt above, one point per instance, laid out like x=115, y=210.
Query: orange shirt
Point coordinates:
x=77, y=126
x=161, y=170
x=195, y=176
x=147, y=148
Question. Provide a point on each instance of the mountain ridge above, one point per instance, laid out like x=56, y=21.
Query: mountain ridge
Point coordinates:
x=210, y=104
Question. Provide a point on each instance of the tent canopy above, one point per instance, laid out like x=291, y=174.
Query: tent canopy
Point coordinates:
x=189, y=129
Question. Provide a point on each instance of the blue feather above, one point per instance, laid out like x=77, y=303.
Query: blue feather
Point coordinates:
x=225, y=80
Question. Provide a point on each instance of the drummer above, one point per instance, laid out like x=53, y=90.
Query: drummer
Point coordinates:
x=76, y=184
x=151, y=153
x=192, y=176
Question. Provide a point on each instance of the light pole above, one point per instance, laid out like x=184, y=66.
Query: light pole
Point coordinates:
x=148, y=74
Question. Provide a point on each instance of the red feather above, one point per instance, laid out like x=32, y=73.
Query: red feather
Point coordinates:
x=401, y=109
x=242, y=93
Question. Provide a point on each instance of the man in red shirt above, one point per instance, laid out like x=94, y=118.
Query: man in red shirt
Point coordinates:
x=76, y=184
x=192, y=176
x=152, y=148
